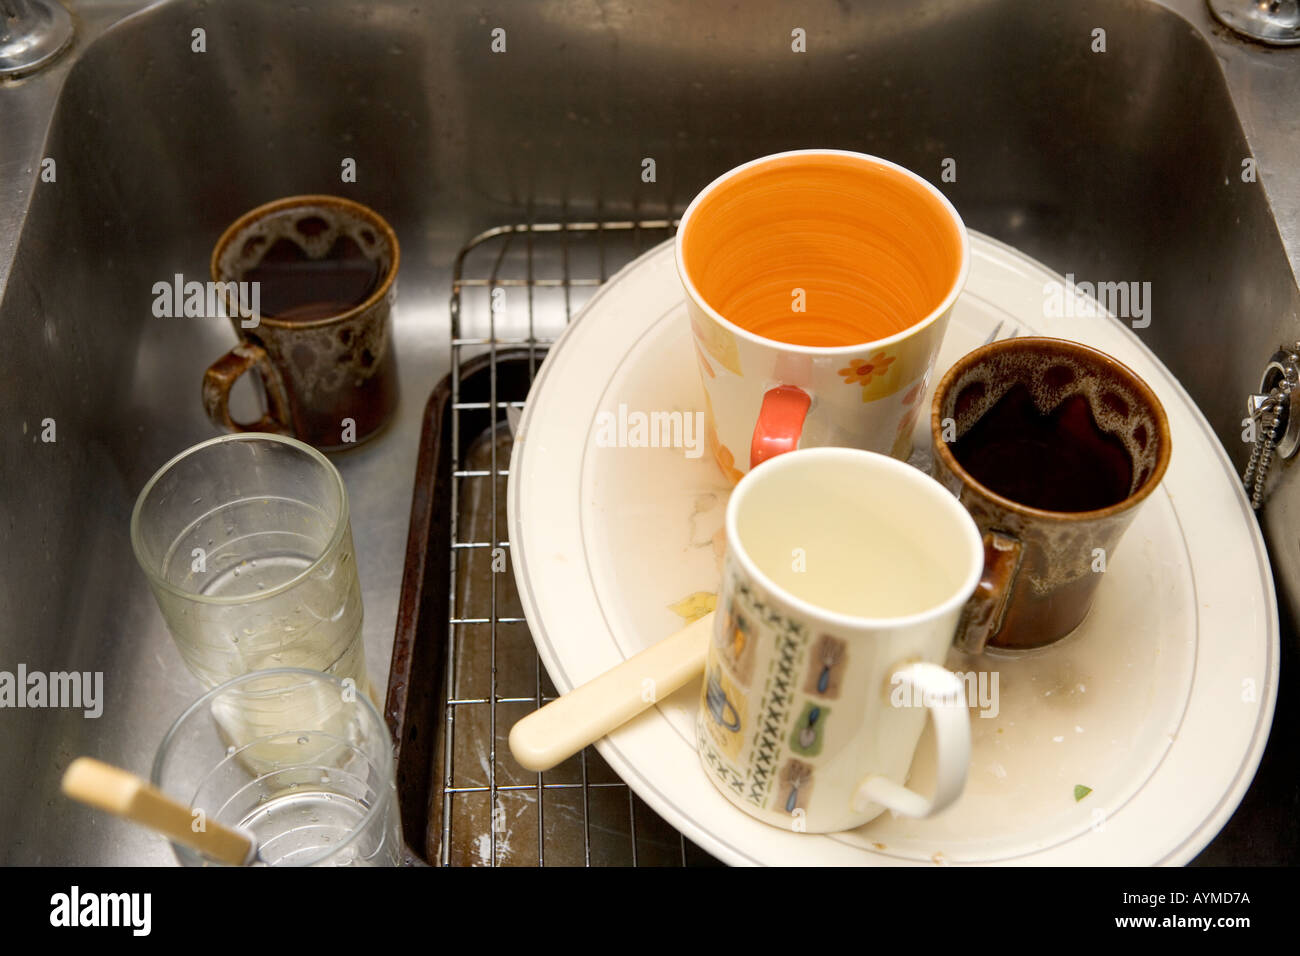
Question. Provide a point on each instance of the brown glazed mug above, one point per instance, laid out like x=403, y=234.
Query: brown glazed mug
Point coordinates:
x=1051, y=446
x=325, y=270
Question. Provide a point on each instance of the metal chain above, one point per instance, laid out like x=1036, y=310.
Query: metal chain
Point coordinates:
x=1261, y=456
x=1277, y=422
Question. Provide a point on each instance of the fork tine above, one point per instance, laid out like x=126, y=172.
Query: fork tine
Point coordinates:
x=994, y=334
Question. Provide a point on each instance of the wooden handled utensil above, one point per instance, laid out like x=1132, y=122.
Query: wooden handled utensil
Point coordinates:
x=559, y=730
x=120, y=792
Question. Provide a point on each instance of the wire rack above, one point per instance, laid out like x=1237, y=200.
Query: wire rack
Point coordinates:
x=516, y=287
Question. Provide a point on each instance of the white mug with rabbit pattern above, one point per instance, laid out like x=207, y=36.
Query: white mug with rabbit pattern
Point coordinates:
x=845, y=576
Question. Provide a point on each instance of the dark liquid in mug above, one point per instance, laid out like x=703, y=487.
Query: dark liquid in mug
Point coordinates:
x=295, y=288
x=1062, y=461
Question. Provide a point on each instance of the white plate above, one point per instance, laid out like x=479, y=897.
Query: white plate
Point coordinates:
x=1160, y=702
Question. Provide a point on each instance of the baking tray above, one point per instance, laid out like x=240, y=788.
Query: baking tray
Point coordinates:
x=464, y=668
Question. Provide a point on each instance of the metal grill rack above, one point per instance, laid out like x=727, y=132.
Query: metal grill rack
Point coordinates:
x=516, y=287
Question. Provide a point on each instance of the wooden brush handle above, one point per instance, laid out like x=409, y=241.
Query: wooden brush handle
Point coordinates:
x=559, y=730
x=120, y=792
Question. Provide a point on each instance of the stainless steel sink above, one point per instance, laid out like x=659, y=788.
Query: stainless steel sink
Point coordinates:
x=1117, y=166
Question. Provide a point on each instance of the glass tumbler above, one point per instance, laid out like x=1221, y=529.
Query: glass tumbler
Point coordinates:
x=247, y=545
x=297, y=757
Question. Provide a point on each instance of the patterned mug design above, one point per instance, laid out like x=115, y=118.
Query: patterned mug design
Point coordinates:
x=796, y=723
x=720, y=708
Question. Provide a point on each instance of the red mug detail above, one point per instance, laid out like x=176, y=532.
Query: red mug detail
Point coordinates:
x=780, y=423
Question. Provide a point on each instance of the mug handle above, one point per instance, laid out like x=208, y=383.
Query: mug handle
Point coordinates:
x=987, y=608
x=780, y=423
x=221, y=376
x=946, y=700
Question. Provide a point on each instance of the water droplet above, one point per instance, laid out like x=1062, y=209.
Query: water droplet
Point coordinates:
x=293, y=786
x=324, y=778
x=302, y=740
x=230, y=751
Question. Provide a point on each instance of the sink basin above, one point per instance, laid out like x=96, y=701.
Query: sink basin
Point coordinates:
x=1124, y=165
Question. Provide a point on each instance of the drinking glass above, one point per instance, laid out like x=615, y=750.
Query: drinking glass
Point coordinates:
x=299, y=758
x=247, y=545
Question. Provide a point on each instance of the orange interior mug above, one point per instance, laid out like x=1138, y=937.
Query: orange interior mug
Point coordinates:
x=819, y=285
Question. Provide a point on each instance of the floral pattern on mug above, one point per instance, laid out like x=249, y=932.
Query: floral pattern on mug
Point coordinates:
x=914, y=411
x=721, y=453
x=726, y=460
x=912, y=408
x=873, y=374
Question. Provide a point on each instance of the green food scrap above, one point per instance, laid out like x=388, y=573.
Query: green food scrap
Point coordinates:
x=1080, y=791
